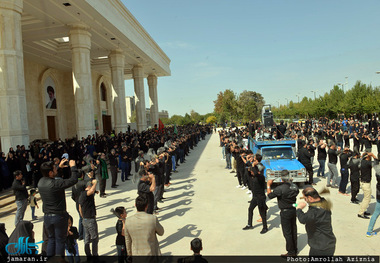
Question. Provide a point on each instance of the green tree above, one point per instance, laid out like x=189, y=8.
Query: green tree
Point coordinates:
x=195, y=116
x=166, y=121
x=249, y=105
x=226, y=104
x=176, y=119
x=211, y=120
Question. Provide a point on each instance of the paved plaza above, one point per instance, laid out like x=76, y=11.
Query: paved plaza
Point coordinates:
x=203, y=202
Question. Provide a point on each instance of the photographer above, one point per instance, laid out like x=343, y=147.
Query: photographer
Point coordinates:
x=286, y=194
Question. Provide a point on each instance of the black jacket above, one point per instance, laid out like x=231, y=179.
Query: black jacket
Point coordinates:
x=52, y=192
x=19, y=190
x=304, y=156
x=286, y=196
x=317, y=221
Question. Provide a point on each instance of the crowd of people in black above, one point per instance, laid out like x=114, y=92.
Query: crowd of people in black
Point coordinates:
x=314, y=138
x=84, y=165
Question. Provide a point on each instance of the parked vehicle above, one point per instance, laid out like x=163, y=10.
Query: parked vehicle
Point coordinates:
x=279, y=155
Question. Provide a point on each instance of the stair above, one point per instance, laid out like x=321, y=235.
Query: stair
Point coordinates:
x=8, y=203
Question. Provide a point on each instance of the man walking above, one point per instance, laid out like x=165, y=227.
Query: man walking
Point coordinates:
x=19, y=190
x=141, y=230
x=286, y=194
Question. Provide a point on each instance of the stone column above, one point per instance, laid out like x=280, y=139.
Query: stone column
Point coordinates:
x=138, y=77
x=116, y=58
x=152, y=83
x=13, y=110
x=80, y=44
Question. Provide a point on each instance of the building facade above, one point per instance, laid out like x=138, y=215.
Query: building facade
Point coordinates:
x=150, y=122
x=63, y=65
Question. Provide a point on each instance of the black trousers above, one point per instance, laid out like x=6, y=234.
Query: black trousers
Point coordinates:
x=113, y=170
x=355, y=187
x=289, y=229
x=167, y=173
x=317, y=252
x=260, y=202
x=240, y=174
x=244, y=177
x=102, y=185
x=309, y=170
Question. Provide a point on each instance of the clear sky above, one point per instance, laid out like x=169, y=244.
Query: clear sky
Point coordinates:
x=278, y=48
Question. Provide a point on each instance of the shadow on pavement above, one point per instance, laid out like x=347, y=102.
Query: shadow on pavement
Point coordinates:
x=180, y=203
x=177, y=212
x=189, y=230
x=302, y=242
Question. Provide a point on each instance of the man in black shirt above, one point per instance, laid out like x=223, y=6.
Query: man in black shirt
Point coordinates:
x=357, y=139
x=286, y=194
x=112, y=157
x=125, y=164
x=228, y=154
x=333, y=159
x=367, y=141
x=76, y=191
x=365, y=182
x=353, y=165
x=281, y=130
x=304, y=157
x=321, y=156
x=258, y=197
x=88, y=212
x=344, y=170
x=146, y=186
x=19, y=190
x=317, y=220
x=240, y=167
x=52, y=193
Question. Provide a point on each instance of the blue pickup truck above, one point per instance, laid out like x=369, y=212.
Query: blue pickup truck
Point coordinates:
x=277, y=156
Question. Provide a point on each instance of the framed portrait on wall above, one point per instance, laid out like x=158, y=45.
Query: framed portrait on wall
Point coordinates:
x=50, y=100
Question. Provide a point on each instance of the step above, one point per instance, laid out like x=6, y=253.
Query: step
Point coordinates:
x=8, y=205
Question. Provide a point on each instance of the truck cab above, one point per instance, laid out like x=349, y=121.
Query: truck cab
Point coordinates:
x=277, y=156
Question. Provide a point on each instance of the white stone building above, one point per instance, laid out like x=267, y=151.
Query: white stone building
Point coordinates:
x=62, y=69
x=130, y=105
